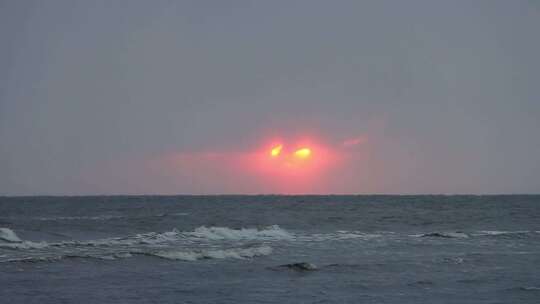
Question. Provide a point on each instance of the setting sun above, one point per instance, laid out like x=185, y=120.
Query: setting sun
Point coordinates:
x=291, y=159
x=276, y=150
x=303, y=153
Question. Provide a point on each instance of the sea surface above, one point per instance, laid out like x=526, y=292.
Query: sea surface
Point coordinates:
x=244, y=249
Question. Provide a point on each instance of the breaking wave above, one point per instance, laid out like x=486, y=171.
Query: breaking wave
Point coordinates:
x=201, y=243
x=153, y=238
x=223, y=233
x=8, y=235
x=240, y=253
x=231, y=253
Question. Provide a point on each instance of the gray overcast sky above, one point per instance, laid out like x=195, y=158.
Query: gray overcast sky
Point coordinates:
x=92, y=93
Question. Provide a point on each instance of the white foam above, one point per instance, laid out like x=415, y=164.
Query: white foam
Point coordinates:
x=210, y=233
x=154, y=238
x=232, y=253
x=223, y=233
x=200, y=234
x=9, y=235
x=184, y=239
x=497, y=232
x=150, y=238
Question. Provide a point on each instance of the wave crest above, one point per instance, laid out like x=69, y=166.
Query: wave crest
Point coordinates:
x=9, y=235
x=273, y=232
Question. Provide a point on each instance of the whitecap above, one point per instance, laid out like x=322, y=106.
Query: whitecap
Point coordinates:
x=223, y=233
x=157, y=239
x=231, y=253
x=9, y=235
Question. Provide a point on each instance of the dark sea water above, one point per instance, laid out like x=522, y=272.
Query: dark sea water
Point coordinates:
x=231, y=249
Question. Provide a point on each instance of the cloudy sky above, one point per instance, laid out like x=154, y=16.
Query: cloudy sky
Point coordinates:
x=166, y=97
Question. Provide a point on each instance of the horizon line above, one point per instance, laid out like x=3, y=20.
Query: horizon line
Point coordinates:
x=267, y=194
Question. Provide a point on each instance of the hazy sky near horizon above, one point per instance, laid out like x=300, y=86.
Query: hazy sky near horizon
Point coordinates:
x=134, y=97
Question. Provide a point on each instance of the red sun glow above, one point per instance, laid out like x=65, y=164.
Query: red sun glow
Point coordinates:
x=293, y=161
x=275, y=166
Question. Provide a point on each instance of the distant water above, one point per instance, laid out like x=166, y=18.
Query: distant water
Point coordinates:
x=242, y=249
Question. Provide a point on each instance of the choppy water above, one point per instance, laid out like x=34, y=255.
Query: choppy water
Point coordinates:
x=230, y=249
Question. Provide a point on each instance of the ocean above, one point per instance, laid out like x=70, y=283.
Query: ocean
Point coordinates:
x=270, y=249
